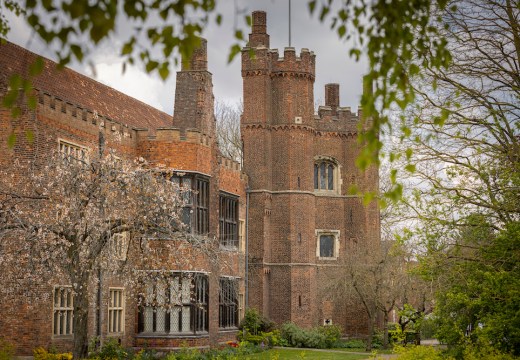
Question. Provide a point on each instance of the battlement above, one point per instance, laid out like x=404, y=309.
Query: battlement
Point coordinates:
x=70, y=112
x=174, y=135
x=231, y=164
x=305, y=63
x=332, y=117
x=258, y=56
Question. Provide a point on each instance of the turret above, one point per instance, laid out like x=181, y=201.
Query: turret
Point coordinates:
x=277, y=90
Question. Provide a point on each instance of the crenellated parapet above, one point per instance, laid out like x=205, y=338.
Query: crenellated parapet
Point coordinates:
x=174, y=135
x=89, y=120
x=292, y=65
x=332, y=116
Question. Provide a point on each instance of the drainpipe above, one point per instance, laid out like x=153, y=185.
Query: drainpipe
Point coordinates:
x=98, y=312
x=247, y=248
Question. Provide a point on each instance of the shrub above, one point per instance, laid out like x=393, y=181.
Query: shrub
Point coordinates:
x=321, y=337
x=254, y=323
x=42, y=354
x=418, y=353
x=350, y=344
x=331, y=335
x=111, y=350
x=485, y=351
x=6, y=350
x=145, y=354
x=268, y=339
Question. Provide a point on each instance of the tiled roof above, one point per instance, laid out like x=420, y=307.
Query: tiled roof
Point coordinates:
x=81, y=90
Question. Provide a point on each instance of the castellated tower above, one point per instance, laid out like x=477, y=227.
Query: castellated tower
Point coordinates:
x=300, y=166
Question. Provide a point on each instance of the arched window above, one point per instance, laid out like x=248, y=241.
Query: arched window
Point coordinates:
x=324, y=175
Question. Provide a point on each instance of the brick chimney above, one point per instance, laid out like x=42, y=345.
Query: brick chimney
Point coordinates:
x=198, y=59
x=259, y=36
x=332, y=96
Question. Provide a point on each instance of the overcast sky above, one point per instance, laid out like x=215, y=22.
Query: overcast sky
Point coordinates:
x=333, y=64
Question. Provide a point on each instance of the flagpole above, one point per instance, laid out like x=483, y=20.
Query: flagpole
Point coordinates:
x=289, y=23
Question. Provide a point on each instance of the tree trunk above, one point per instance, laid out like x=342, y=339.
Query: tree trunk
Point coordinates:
x=371, y=326
x=385, y=330
x=80, y=322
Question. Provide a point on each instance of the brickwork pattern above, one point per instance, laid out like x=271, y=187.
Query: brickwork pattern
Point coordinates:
x=79, y=110
x=282, y=140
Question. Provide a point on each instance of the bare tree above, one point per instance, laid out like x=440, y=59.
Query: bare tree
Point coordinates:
x=60, y=221
x=228, y=130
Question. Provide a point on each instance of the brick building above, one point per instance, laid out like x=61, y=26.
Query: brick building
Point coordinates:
x=300, y=165
x=297, y=168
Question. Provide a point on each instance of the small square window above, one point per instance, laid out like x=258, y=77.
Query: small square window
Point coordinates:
x=72, y=153
x=327, y=244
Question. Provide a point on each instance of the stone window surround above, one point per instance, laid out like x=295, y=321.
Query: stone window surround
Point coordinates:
x=118, y=310
x=337, y=181
x=66, y=146
x=336, y=234
x=62, y=310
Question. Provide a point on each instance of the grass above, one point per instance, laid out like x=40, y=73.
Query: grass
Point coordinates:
x=275, y=354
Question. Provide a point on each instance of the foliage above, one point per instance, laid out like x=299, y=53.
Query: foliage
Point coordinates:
x=7, y=351
x=145, y=354
x=254, y=323
x=226, y=353
x=268, y=339
x=428, y=328
x=111, y=350
x=398, y=37
x=42, y=354
x=321, y=337
x=350, y=344
x=481, y=302
x=484, y=351
x=418, y=353
x=464, y=203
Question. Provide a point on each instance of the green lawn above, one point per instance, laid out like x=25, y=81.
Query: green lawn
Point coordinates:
x=283, y=354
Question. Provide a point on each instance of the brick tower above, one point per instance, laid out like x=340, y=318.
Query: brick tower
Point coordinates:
x=300, y=166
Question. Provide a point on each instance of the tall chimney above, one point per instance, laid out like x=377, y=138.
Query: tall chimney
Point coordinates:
x=259, y=36
x=332, y=96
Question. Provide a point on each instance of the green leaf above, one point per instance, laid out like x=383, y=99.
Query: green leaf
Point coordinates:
x=127, y=48
x=164, y=71
x=29, y=135
x=235, y=49
x=410, y=168
x=31, y=102
x=218, y=19
x=312, y=6
x=11, y=140
x=151, y=65
x=342, y=30
x=77, y=51
x=36, y=67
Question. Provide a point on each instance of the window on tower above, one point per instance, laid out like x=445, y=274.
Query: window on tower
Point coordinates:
x=327, y=244
x=326, y=175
